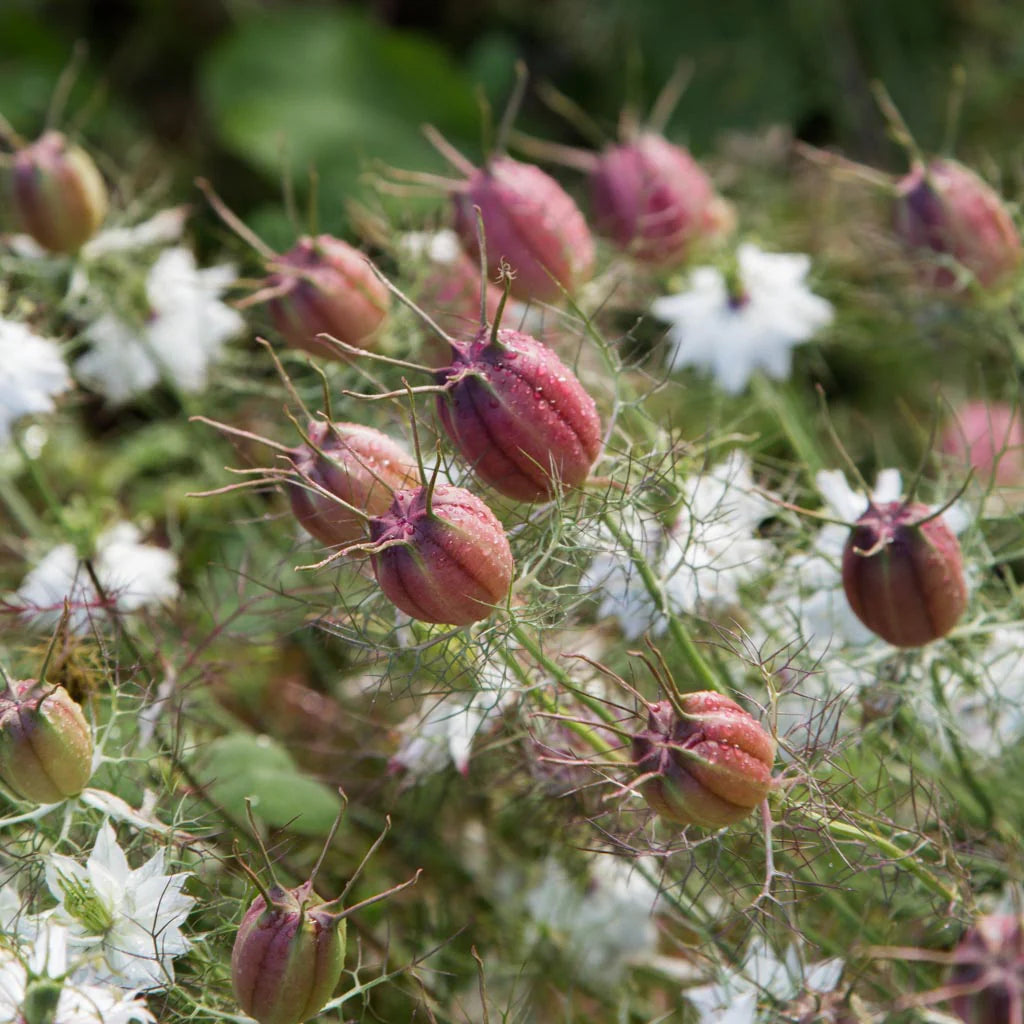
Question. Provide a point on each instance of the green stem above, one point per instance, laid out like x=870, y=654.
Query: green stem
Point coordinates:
x=548, y=703
x=530, y=645
x=846, y=832
x=706, y=676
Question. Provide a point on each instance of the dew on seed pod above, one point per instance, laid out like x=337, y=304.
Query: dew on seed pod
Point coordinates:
x=945, y=210
x=360, y=466
x=55, y=193
x=441, y=555
x=903, y=573
x=518, y=415
x=46, y=745
x=707, y=762
x=987, y=437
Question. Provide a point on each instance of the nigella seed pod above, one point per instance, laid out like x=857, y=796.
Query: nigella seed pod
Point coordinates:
x=442, y=555
x=325, y=286
x=358, y=465
x=46, y=744
x=288, y=956
x=56, y=193
x=903, y=573
x=704, y=762
x=652, y=199
x=518, y=415
x=988, y=972
x=987, y=437
x=944, y=209
x=531, y=223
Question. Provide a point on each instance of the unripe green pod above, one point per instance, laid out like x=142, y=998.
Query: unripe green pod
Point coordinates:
x=903, y=574
x=708, y=763
x=56, y=193
x=46, y=744
x=288, y=957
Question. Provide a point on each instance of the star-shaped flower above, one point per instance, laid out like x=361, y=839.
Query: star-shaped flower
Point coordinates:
x=731, y=332
x=132, y=917
x=133, y=575
x=32, y=373
x=184, y=333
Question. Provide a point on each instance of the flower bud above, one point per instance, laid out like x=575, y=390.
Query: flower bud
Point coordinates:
x=903, y=574
x=987, y=437
x=518, y=415
x=56, y=193
x=288, y=957
x=445, y=560
x=989, y=965
x=325, y=286
x=357, y=464
x=531, y=223
x=709, y=764
x=945, y=208
x=45, y=743
x=651, y=198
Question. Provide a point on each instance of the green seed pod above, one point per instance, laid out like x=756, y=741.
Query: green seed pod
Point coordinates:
x=56, y=193
x=46, y=744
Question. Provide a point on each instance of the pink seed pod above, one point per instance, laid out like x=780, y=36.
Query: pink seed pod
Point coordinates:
x=652, y=199
x=325, y=286
x=56, y=193
x=358, y=465
x=531, y=223
x=903, y=574
x=989, y=967
x=708, y=764
x=987, y=437
x=945, y=209
x=442, y=556
x=46, y=744
x=288, y=956
x=518, y=415
x=451, y=291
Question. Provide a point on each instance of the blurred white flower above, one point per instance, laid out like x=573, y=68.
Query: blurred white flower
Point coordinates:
x=733, y=997
x=134, y=575
x=602, y=922
x=162, y=228
x=700, y=562
x=32, y=372
x=733, y=335
x=436, y=246
x=132, y=917
x=80, y=1001
x=185, y=332
x=445, y=733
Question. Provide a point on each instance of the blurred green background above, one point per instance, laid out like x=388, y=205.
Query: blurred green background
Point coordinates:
x=239, y=89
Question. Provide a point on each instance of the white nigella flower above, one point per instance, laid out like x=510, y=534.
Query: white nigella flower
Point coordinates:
x=732, y=335
x=733, y=997
x=445, y=733
x=602, y=922
x=134, y=575
x=132, y=918
x=32, y=372
x=184, y=333
x=436, y=246
x=700, y=562
x=43, y=966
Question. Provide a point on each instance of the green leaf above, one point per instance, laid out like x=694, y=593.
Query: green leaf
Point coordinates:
x=333, y=90
x=235, y=767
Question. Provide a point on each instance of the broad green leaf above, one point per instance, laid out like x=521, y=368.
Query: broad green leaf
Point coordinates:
x=240, y=766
